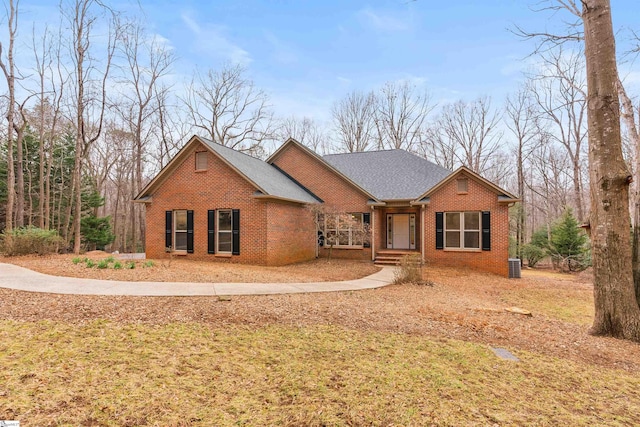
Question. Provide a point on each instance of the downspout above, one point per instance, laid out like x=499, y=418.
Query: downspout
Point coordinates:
x=422, y=245
x=317, y=245
x=373, y=233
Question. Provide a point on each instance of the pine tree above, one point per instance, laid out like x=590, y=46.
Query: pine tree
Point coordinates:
x=568, y=242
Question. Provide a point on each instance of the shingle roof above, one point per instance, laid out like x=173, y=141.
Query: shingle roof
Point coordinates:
x=389, y=174
x=267, y=177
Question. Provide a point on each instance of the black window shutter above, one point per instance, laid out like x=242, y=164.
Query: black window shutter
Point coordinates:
x=168, y=226
x=190, y=232
x=235, y=219
x=366, y=219
x=486, y=231
x=439, y=230
x=211, y=232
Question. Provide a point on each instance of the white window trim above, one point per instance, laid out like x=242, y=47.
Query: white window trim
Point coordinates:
x=350, y=229
x=175, y=230
x=462, y=231
x=218, y=231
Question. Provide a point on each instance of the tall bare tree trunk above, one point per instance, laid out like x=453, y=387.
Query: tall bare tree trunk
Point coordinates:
x=628, y=117
x=9, y=73
x=86, y=132
x=20, y=196
x=616, y=310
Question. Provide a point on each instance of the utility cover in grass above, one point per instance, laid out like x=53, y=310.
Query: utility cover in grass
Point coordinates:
x=503, y=353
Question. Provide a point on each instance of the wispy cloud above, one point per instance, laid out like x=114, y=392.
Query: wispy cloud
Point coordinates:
x=383, y=21
x=209, y=39
x=415, y=81
x=281, y=52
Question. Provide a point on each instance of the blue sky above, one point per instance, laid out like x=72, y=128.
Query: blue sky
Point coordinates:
x=307, y=54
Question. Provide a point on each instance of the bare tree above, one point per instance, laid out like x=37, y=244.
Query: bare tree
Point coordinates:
x=170, y=129
x=335, y=226
x=304, y=130
x=521, y=120
x=46, y=114
x=147, y=61
x=560, y=93
x=227, y=108
x=435, y=147
x=354, y=121
x=90, y=89
x=470, y=131
x=549, y=182
x=400, y=115
x=628, y=113
x=9, y=70
x=616, y=308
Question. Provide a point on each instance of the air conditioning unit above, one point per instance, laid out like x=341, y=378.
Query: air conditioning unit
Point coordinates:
x=514, y=268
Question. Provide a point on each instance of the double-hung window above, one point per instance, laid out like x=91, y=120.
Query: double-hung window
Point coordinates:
x=225, y=231
x=462, y=230
x=180, y=230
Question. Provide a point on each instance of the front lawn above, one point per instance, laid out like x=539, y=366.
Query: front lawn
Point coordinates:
x=189, y=374
x=405, y=355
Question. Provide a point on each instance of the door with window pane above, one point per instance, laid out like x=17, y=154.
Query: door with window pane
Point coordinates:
x=401, y=231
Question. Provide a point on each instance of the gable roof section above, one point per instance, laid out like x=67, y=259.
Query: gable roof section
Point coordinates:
x=268, y=181
x=503, y=195
x=373, y=199
x=389, y=174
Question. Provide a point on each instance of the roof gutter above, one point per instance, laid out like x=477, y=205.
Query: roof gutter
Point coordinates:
x=262, y=196
x=422, y=202
x=145, y=199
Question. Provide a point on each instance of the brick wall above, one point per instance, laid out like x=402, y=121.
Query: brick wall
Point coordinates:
x=478, y=198
x=381, y=224
x=330, y=187
x=277, y=233
x=220, y=187
x=291, y=235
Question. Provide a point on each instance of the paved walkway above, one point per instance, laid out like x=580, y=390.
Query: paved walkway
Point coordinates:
x=15, y=277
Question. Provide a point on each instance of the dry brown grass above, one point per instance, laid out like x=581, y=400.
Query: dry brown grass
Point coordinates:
x=190, y=374
x=400, y=355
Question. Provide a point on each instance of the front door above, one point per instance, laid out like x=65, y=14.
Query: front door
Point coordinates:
x=401, y=229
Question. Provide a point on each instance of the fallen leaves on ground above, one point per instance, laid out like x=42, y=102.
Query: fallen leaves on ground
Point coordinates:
x=461, y=304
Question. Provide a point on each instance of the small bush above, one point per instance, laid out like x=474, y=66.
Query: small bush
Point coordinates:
x=76, y=260
x=30, y=240
x=409, y=271
x=103, y=264
x=533, y=254
x=90, y=263
x=117, y=265
x=149, y=264
x=110, y=259
x=130, y=265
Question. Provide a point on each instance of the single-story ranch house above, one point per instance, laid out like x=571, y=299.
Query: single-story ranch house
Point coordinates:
x=214, y=203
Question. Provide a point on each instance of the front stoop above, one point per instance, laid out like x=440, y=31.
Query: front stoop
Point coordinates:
x=391, y=256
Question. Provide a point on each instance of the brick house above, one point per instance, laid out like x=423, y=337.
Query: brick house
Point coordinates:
x=214, y=203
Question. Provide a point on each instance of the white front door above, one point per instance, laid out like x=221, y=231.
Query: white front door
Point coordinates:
x=401, y=231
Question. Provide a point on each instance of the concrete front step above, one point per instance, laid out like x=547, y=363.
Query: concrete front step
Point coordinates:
x=386, y=262
x=390, y=257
